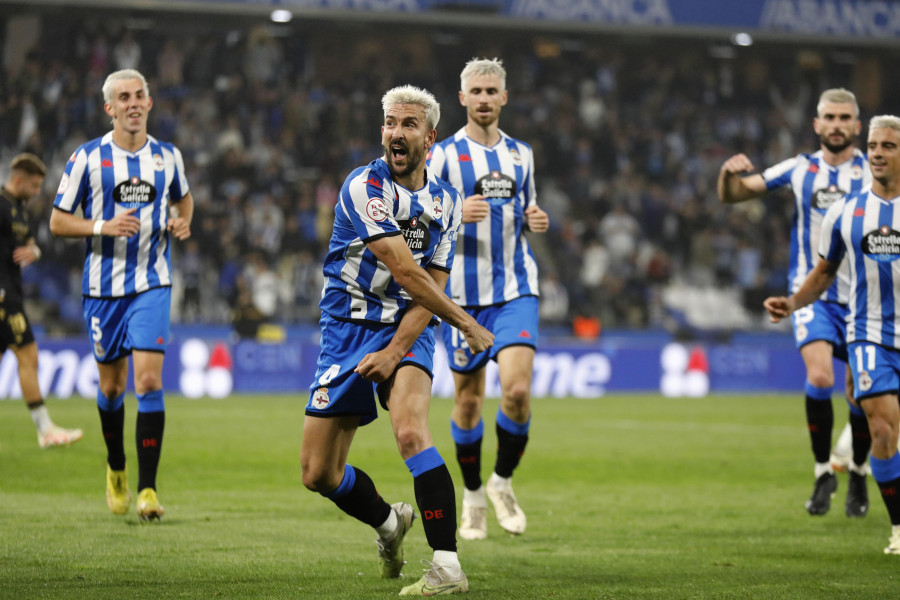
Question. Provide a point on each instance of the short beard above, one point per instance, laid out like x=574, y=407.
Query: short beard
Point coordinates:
x=836, y=148
x=413, y=162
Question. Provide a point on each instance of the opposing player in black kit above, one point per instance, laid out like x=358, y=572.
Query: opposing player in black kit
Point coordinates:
x=18, y=249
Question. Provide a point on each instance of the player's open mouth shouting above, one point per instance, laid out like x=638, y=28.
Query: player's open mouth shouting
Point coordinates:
x=399, y=151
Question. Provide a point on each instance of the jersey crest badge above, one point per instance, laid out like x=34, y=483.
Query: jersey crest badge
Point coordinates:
x=320, y=398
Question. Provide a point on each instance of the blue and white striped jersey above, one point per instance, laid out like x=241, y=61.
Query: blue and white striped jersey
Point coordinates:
x=104, y=180
x=816, y=186
x=865, y=229
x=494, y=262
x=370, y=206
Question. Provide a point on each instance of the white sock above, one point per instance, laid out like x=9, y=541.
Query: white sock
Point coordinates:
x=445, y=558
x=499, y=483
x=822, y=468
x=41, y=418
x=474, y=497
x=858, y=469
x=386, y=529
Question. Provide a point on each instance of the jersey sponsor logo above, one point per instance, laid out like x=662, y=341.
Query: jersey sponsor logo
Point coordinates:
x=822, y=199
x=63, y=183
x=882, y=245
x=320, y=398
x=496, y=186
x=134, y=193
x=416, y=234
x=376, y=209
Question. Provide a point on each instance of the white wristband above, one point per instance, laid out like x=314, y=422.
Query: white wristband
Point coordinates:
x=98, y=226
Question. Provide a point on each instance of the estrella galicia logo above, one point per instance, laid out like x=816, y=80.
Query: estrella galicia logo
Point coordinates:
x=416, y=234
x=496, y=187
x=134, y=192
x=823, y=199
x=882, y=245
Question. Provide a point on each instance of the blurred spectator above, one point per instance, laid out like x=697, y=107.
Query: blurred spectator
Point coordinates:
x=127, y=52
x=630, y=141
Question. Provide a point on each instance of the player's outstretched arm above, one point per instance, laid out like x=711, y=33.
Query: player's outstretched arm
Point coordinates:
x=396, y=256
x=818, y=280
x=737, y=182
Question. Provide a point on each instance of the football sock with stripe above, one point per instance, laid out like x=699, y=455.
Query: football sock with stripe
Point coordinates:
x=357, y=496
x=861, y=436
x=148, y=439
x=112, y=425
x=435, y=498
x=468, y=452
x=512, y=438
x=819, y=420
x=886, y=473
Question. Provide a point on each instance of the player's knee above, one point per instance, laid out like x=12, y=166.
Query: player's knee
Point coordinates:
x=820, y=378
x=883, y=434
x=27, y=361
x=111, y=389
x=148, y=382
x=468, y=405
x=411, y=438
x=518, y=395
x=318, y=481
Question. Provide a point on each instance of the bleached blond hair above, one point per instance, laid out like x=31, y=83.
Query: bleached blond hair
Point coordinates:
x=838, y=96
x=885, y=122
x=482, y=66
x=410, y=94
x=116, y=76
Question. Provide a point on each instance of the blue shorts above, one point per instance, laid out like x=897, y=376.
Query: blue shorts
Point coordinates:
x=825, y=321
x=117, y=326
x=513, y=323
x=876, y=369
x=337, y=391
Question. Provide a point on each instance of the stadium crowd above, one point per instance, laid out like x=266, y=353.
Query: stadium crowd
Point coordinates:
x=628, y=137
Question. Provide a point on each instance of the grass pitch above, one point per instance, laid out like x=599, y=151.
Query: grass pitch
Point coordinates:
x=627, y=497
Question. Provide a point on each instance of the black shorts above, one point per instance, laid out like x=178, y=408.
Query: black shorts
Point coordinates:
x=15, y=330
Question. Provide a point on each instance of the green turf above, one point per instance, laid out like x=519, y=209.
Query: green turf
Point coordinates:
x=626, y=496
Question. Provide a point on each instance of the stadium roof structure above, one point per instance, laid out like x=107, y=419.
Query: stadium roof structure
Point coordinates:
x=856, y=22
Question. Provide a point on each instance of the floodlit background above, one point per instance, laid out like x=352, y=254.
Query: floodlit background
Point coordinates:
x=631, y=108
